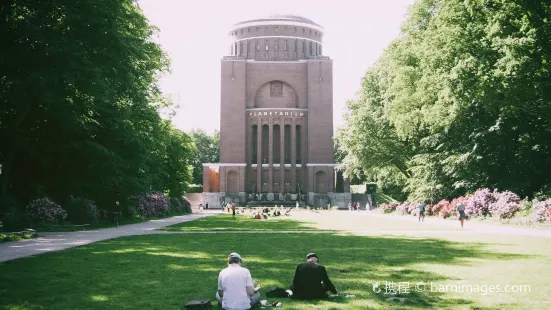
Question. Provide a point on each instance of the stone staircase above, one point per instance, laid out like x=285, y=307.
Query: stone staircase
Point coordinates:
x=269, y=204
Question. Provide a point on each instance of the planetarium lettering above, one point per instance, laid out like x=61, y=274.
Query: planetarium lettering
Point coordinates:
x=276, y=113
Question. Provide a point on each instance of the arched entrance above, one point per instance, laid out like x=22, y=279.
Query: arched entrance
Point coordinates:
x=321, y=183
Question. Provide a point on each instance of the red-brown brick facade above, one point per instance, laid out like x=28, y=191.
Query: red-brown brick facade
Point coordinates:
x=276, y=122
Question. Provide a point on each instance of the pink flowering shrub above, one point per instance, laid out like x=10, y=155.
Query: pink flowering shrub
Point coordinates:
x=480, y=202
x=428, y=209
x=447, y=211
x=451, y=209
x=506, y=204
x=402, y=208
x=540, y=210
x=46, y=211
x=412, y=208
x=437, y=208
x=154, y=204
x=388, y=207
x=483, y=202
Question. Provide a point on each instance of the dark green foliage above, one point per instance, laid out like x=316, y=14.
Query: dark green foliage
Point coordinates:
x=16, y=221
x=81, y=211
x=174, y=205
x=79, y=104
x=195, y=188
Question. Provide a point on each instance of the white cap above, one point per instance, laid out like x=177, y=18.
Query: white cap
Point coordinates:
x=234, y=255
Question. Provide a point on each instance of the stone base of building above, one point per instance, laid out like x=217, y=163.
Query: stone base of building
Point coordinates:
x=340, y=200
x=237, y=198
x=213, y=199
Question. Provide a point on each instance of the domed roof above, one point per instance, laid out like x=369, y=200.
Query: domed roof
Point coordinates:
x=280, y=19
x=291, y=17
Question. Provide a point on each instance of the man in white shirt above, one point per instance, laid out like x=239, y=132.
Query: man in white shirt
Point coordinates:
x=236, y=286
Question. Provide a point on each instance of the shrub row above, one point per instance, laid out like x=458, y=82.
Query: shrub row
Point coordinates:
x=83, y=211
x=483, y=203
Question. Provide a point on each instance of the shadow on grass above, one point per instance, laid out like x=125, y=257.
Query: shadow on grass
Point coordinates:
x=166, y=271
x=225, y=222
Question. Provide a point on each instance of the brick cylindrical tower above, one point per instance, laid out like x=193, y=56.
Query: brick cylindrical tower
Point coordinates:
x=276, y=122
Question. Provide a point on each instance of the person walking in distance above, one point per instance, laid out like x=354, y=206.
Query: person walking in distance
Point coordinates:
x=421, y=211
x=233, y=210
x=461, y=211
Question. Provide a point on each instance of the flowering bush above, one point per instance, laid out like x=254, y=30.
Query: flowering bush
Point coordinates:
x=437, y=208
x=483, y=202
x=388, y=207
x=479, y=203
x=412, y=208
x=506, y=204
x=402, y=208
x=448, y=211
x=539, y=210
x=46, y=211
x=82, y=211
x=451, y=209
x=154, y=204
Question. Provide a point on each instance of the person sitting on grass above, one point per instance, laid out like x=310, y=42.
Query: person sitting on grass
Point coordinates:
x=236, y=288
x=311, y=280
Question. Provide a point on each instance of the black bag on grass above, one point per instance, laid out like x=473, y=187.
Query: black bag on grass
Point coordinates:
x=198, y=304
x=277, y=293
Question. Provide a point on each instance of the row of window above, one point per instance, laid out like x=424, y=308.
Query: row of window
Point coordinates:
x=276, y=30
x=313, y=48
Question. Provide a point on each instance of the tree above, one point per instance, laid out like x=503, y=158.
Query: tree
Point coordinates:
x=207, y=150
x=79, y=103
x=460, y=100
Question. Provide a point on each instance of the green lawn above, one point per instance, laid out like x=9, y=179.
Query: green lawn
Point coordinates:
x=226, y=222
x=165, y=271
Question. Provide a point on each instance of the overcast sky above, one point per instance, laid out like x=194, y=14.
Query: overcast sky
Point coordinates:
x=195, y=36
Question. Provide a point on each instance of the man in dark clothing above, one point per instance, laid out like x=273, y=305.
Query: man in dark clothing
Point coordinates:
x=311, y=280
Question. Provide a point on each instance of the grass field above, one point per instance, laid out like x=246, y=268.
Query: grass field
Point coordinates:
x=225, y=222
x=165, y=271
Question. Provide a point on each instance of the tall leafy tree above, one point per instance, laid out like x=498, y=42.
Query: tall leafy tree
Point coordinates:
x=207, y=150
x=79, y=102
x=463, y=95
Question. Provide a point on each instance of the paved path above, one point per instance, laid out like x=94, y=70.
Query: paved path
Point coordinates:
x=470, y=226
x=55, y=241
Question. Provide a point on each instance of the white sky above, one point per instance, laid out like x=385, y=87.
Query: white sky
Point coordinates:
x=195, y=36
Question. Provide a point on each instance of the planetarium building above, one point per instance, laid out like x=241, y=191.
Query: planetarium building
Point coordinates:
x=276, y=123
